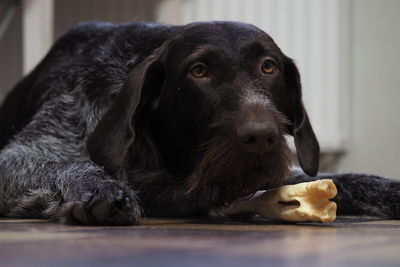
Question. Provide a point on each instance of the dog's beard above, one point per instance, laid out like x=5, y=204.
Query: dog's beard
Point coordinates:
x=231, y=173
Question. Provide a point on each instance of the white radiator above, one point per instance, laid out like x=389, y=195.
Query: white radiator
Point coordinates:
x=313, y=32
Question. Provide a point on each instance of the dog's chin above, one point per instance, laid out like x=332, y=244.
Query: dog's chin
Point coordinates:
x=228, y=173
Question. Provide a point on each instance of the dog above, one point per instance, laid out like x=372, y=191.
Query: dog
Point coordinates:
x=143, y=119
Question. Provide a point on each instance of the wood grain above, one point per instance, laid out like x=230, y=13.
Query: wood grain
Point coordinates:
x=197, y=242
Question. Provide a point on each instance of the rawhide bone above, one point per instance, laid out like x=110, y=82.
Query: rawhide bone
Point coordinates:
x=303, y=202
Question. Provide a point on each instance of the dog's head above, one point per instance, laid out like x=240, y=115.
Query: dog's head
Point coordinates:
x=218, y=99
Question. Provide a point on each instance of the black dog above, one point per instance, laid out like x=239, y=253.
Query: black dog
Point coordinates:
x=120, y=120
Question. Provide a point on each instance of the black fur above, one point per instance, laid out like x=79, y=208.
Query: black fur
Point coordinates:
x=115, y=123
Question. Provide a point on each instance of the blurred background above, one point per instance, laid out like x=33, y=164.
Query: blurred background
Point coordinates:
x=348, y=52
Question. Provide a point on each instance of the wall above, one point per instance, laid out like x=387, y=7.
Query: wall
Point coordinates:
x=69, y=12
x=374, y=144
x=11, y=55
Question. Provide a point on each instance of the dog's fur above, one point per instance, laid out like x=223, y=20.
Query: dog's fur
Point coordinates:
x=114, y=124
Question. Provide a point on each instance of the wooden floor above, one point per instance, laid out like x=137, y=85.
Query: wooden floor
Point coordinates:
x=161, y=242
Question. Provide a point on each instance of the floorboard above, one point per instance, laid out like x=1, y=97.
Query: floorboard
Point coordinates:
x=348, y=241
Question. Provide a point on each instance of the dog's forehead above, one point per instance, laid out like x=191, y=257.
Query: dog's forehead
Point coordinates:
x=234, y=35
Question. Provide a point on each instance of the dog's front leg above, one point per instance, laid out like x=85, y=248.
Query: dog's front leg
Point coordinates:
x=92, y=197
x=71, y=192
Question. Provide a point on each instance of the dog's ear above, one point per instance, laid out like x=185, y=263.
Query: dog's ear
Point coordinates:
x=109, y=144
x=304, y=137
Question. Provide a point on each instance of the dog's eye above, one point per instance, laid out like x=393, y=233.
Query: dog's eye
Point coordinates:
x=269, y=66
x=199, y=70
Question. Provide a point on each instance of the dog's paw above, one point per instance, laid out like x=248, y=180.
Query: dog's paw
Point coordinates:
x=112, y=203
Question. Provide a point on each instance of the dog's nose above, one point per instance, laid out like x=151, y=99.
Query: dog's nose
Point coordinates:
x=258, y=136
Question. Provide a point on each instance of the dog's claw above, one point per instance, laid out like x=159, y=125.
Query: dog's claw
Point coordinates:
x=87, y=196
x=119, y=195
x=127, y=203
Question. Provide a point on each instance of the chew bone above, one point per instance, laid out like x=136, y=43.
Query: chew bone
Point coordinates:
x=304, y=202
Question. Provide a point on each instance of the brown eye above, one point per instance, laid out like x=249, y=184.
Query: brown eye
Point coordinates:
x=199, y=70
x=269, y=66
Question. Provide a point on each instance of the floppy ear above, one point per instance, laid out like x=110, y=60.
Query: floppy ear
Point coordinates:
x=304, y=137
x=114, y=134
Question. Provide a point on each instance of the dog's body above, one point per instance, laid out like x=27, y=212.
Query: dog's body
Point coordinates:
x=123, y=120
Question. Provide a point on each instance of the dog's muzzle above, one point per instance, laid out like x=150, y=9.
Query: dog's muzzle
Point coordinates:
x=257, y=129
x=258, y=137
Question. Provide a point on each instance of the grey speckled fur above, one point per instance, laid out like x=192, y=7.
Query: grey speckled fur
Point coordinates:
x=49, y=158
x=103, y=131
